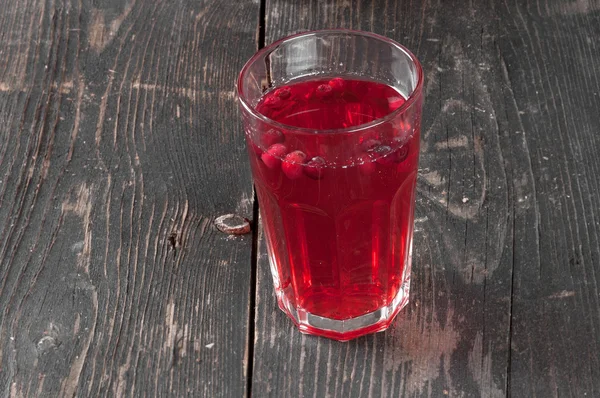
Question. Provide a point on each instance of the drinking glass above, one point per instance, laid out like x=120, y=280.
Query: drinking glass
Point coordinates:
x=336, y=189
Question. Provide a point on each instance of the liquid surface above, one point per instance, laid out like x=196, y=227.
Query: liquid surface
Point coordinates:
x=338, y=236
x=330, y=104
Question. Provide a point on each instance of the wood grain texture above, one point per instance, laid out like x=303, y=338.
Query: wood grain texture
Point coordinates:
x=119, y=145
x=549, y=54
x=504, y=300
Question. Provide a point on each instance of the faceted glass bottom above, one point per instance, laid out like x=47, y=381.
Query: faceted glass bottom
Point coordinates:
x=348, y=329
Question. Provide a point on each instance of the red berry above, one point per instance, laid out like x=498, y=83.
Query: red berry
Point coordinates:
x=383, y=155
x=272, y=137
x=292, y=164
x=272, y=158
x=369, y=144
x=324, y=91
x=337, y=84
x=315, y=168
x=273, y=101
x=366, y=165
x=283, y=93
x=401, y=153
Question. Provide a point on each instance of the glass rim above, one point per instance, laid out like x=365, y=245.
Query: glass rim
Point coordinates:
x=410, y=100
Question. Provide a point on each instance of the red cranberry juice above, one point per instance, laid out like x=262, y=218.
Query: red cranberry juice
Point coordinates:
x=337, y=207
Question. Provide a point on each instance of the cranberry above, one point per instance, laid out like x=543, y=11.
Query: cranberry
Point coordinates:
x=366, y=166
x=272, y=158
x=383, y=155
x=369, y=144
x=283, y=93
x=292, y=164
x=315, y=168
x=324, y=91
x=273, y=101
x=337, y=84
x=401, y=153
x=272, y=137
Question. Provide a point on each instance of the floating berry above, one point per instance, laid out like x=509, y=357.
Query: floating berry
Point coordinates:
x=315, y=168
x=324, y=91
x=283, y=93
x=401, y=153
x=273, y=101
x=292, y=164
x=272, y=137
x=366, y=166
x=337, y=84
x=272, y=158
x=383, y=155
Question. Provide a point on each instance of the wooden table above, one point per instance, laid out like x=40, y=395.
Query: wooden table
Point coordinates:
x=121, y=143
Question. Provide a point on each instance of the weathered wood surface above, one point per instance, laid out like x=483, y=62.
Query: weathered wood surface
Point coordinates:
x=504, y=292
x=119, y=145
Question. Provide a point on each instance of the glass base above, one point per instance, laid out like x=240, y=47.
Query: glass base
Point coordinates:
x=347, y=329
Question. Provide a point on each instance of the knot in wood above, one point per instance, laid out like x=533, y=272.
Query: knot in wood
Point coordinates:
x=232, y=224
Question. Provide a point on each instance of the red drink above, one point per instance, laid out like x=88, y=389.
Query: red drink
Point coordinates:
x=337, y=206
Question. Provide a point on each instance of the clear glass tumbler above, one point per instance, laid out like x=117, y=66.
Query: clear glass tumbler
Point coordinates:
x=332, y=124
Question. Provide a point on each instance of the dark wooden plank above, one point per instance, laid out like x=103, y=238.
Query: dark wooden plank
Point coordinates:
x=496, y=230
x=549, y=52
x=119, y=145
